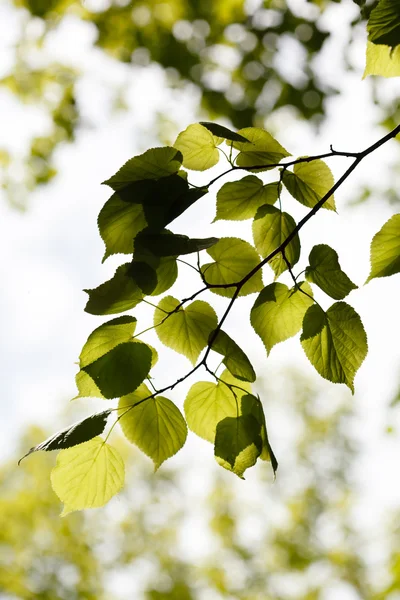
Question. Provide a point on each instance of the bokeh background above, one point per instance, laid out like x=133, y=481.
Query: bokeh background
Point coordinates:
x=83, y=87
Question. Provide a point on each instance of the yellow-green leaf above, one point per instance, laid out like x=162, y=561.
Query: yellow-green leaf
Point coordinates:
x=235, y=359
x=385, y=250
x=278, y=312
x=239, y=200
x=106, y=337
x=208, y=403
x=261, y=149
x=187, y=330
x=198, y=147
x=335, y=342
x=381, y=60
x=86, y=386
x=271, y=227
x=234, y=259
x=87, y=475
x=156, y=425
x=309, y=182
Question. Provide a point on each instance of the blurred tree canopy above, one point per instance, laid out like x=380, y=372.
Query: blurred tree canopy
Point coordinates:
x=248, y=59
x=295, y=540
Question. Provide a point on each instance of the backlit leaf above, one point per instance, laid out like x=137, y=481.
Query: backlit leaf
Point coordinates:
x=115, y=295
x=235, y=359
x=118, y=223
x=121, y=370
x=271, y=227
x=384, y=23
x=167, y=273
x=261, y=149
x=198, y=147
x=385, y=249
x=223, y=132
x=278, y=312
x=208, y=403
x=309, y=182
x=88, y=475
x=238, y=443
x=106, y=337
x=152, y=164
x=335, y=342
x=382, y=60
x=234, y=259
x=86, y=386
x=324, y=270
x=251, y=405
x=80, y=432
x=187, y=330
x=239, y=200
x=156, y=425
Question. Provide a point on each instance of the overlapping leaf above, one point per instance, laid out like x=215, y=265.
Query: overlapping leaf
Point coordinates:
x=335, y=342
x=251, y=405
x=385, y=249
x=88, y=475
x=152, y=164
x=324, y=270
x=155, y=425
x=271, y=227
x=235, y=359
x=261, y=149
x=239, y=200
x=166, y=243
x=80, y=432
x=187, y=330
x=238, y=443
x=122, y=370
x=384, y=23
x=198, y=147
x=106, y=337
x=309, y=183
x=234, y=259
x=223, y=132
x=118, y=223
x=278, y=312
x=208, y=403
x=115, y=295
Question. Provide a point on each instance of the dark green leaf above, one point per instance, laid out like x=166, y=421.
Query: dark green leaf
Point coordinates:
x=144, y=275
x=238, y=443
x=324, y=270
x=224, y=132
x=184, y=202
x=251, y=405
x=80, y=432
x=115, y=295
x=384, y=23
x=167, y=243
x=235, y=359
x=122, y=370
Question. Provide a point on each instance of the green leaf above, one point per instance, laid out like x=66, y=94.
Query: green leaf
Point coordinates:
x=234, y=259
x=253, y=406
x=121, y=370
x=381, y=60
x=86, y=386
x=385, y=250
x=278, y=312
x=118, y=223
x=115, y=295
x=239, y=200
x=271, y=227
x=238, y=443
x=384, y=23
x=198, y=147
x=223, y=132
x=106, y=337
x=235, y=359
x=158, y=204
x=156, y=425
x=208, y=403
x=181, y=204
x=324, y=270
x=88, y=475
x=187, y=330
x=80, y=432
x=261, y=149
x=167, y=243
x=167, y=273
x=335, y=342
x=309, y=182
x=152, y=164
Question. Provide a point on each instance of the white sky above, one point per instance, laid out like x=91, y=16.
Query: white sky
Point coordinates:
x=53, y=251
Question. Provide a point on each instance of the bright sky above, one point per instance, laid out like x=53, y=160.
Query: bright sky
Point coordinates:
x=53, y=251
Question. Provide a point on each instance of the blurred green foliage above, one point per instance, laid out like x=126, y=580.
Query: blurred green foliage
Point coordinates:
x=294, y=540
